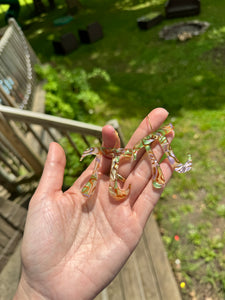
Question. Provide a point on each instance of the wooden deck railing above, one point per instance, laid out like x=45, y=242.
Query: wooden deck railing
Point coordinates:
x=25, y=137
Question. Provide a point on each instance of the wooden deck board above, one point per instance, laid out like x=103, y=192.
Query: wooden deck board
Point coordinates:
x=5, y=228
x=162, y=269
x=147, y=275
x=130, y=275
x=12, y=220
x=145, y=268
x=115, y=289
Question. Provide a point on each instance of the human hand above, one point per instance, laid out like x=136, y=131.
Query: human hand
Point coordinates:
x=74, y=246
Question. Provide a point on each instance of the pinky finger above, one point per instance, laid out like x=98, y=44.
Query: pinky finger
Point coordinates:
x=147, y=200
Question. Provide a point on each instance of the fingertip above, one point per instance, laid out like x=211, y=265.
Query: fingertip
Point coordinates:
x=107, y=129
x=158, y=113
x=110, y=137
x=56, y=152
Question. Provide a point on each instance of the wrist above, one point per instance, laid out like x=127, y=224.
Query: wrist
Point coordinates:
x=26, y=292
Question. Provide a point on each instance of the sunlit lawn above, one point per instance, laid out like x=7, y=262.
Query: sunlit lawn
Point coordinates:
x=188, y=80
x=23, y=4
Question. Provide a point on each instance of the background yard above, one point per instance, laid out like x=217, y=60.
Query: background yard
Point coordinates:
x=138, y=73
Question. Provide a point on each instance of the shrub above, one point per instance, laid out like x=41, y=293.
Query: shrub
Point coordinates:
x=68, y=92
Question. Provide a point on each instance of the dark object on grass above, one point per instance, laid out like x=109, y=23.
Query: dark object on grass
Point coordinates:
x=182, y=8
x=91, y=34
x=66, y=45
x=149, y=20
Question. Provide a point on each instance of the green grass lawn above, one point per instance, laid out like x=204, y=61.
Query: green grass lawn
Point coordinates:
x=188, y=80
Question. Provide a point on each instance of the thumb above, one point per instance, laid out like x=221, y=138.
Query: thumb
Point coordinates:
x=52, y=177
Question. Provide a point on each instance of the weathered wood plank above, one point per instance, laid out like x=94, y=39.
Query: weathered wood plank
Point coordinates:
x=3, y=261
x=16, y=155
x=35, y=136
x=51, y=121
x=7, y=251
x=17, y=141
x=6, y=228
x=163, y=272
x=18, y=217
x=10, y=275
x=8, y=162
x=12, y=220
x=145, y=266
x=6, y=208
x=131, y=284
x=4, y=193
x=115, y=289
x=3, y=239
x=13, y=213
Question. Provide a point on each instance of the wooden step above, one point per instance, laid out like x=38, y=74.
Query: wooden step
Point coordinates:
x=12, y=221
x=147, y=274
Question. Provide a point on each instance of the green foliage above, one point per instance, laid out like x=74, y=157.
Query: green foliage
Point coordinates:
x=68, y=93
x=221, y=210
x=73, y=165
x=194, y=235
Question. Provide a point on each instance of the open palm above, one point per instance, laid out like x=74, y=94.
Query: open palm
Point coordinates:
x=74, y=246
